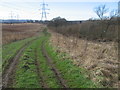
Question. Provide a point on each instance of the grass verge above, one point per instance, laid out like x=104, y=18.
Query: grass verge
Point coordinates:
x=75, y=77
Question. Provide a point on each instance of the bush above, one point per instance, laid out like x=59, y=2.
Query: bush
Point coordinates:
x=102, y=30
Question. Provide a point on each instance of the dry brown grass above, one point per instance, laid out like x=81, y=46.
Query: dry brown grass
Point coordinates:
x=92, y=45
x=14, y=32
x=99, y=58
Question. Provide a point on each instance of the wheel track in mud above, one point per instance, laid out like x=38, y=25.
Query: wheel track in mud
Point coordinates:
x=10, y=70
x=8, y=73
x=38, y=69
x=56, y=72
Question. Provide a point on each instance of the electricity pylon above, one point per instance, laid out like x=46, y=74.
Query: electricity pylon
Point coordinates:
x=43, y=9
x=11, y=15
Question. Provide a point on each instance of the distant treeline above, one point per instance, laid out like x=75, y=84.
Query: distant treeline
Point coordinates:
x=98, y=30
x=20, y=21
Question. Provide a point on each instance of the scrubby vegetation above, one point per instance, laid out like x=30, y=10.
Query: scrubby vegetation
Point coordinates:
x=92, y=44
x=98, y=30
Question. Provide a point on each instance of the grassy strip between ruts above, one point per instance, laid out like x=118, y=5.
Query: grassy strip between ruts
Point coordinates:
x=75, y=77
x=49, y=77
x=26, y=75
x=9, y=50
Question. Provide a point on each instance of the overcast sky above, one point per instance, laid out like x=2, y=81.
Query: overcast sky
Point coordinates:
x=69, y=9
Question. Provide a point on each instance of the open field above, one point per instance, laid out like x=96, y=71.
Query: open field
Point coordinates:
x=48, y=59
x=14, y=32
x=34, y=63
x=57, y=44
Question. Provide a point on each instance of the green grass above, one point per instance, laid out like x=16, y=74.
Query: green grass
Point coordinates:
x=29, y=78
x=26, y=75
x=75, y=77
x=48, y=75
x=9, y=50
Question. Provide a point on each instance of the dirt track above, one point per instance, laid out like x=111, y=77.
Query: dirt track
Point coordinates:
x=41, y=78
x=7, y=77
x=60, y=80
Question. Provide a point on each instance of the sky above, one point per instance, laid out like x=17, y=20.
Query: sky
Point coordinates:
x=68, y=9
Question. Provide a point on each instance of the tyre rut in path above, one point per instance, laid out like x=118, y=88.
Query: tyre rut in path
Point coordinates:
x=61, y=81
x=10, y=69
x=41, y=78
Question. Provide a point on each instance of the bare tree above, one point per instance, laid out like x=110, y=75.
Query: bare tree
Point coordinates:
x=114, y=13
x=100, y=11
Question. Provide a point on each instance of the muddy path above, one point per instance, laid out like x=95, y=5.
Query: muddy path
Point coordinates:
x=8, y=74
x=57, y=74
x=38, y=70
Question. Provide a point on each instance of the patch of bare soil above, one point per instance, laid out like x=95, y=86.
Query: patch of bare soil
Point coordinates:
x=61, y=81
x=99, y=58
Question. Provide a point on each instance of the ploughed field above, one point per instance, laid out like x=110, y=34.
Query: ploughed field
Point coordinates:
x=14, y=32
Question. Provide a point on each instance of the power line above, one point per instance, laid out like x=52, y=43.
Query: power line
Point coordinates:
x=14, y=15
x=16, y=9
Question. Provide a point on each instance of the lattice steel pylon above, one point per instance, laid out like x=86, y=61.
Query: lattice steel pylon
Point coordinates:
x=44, y=13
